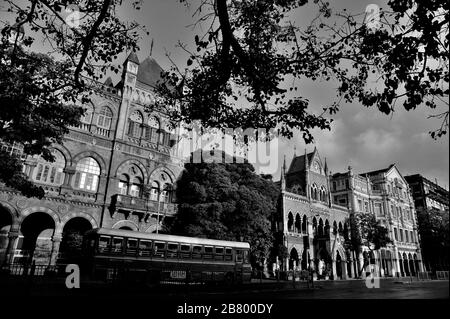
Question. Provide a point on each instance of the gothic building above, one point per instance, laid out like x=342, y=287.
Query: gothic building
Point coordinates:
x=116, y=170
x=312, y=226
x=314, y=213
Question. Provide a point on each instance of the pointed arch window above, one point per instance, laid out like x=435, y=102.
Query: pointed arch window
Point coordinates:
x=290, y=221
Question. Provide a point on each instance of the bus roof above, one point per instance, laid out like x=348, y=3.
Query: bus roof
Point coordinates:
x=169, y=238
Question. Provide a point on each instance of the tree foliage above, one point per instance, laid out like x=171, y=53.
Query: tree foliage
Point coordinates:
x=434, y=230
x=228, y=202
x=367, y=231
x=247, y=66
x=41, y=94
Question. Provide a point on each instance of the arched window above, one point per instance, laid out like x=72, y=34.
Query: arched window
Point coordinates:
x=105, y=118
x=50, y=172
x=327, y=228
x=154, y=192
x=86, y=118
x=304, y=224
x=314, y=192
x=124, y=184
x=320, y=229
x=314, y=224
x=166, y=195
x=169, y=130
x=335, y=228
x=297, y=223
x=152, y=132
x=290, y=221
x=131, y=182
x=87, y=174
x=136, y=187
x=340, y=230
x=323, y=196
x=395, y=234
x=135, y=124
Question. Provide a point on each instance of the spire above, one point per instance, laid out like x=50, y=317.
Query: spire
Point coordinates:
x=151, y=48
x=283, y=175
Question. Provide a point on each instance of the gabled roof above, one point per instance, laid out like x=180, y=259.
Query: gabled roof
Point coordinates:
x=379, y=171
x=298, y=163
x=149, y=72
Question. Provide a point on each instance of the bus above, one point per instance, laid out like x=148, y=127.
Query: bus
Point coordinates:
x=117, y=254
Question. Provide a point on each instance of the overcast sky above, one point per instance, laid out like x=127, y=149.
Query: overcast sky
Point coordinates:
x=364, y=138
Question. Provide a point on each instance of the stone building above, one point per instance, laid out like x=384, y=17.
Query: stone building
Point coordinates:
x=312, y=226
x=432, y=206
x=386, y=194
x=116, y=170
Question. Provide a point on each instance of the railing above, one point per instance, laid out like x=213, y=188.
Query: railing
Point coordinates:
x=135, y=203
x=102, y=131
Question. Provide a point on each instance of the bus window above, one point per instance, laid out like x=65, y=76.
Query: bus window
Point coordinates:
x=145, y=248
x=239, y=256
x=218, y=253
x=172, y=250
x=131, y=246
x=117, y=245
x=159, y=249
x=197, y=252
x=246, y=256
x=185, y=251
x=208, y=252
x=103, y=244
x=228, y=254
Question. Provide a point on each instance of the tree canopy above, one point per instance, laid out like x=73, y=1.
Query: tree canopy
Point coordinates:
x=228, y=202
x=41, y=95
x=434, y=230
x=249, y=63
x=366, y=231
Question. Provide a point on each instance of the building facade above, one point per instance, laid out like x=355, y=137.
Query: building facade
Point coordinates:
x=432, y=206
x=314, y=213
x=386, y=194
x=117, y=170
x=312, y=227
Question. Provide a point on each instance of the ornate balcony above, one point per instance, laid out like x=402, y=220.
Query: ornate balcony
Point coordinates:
x=141, y=205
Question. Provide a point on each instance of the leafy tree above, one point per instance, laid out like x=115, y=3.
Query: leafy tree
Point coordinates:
x=253, y=52
x=366, y=232
x=435, y=237
x=41, y=95
x=228, y=202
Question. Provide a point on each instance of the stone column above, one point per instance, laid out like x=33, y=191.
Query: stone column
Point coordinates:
x=333, y=269
x=56, y=241
x=68, y=174
x=352, y=272
x=12, y=243
x=397, y=263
